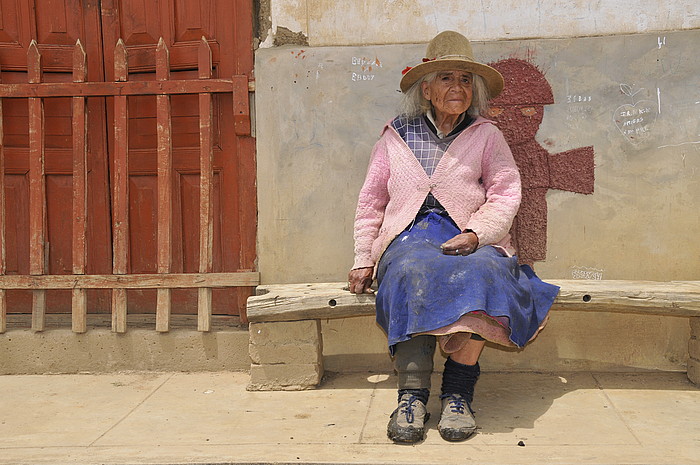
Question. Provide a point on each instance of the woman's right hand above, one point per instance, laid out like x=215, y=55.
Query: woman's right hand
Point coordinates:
x=360, y=280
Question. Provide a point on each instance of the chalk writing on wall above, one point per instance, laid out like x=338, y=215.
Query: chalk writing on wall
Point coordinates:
x=583, y=272
x=636, y=118
x=364, y=69
x=578, y=108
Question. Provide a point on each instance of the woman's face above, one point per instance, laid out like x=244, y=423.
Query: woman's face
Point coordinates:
x=450, y=92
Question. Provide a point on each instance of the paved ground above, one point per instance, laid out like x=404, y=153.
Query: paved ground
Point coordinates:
x=177, y=418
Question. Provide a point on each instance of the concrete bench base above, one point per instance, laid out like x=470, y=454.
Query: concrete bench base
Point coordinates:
x=286, y=345
x=286, y=355
x=694, y=351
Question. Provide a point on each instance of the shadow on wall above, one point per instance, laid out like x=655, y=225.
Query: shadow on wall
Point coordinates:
x=518, y=111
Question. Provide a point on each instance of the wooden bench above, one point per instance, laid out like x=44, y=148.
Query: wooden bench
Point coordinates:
x=285, y=321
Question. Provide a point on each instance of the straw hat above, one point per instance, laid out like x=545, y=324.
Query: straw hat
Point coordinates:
x=450, y=50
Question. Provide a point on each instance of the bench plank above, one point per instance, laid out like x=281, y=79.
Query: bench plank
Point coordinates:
x=292, y=302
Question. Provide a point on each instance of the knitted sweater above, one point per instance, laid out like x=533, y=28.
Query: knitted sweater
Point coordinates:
x=476, y=181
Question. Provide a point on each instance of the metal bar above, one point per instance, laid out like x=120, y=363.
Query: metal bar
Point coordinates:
x=37, y=188
x=125, y=88
x=165, y=187
x=79, y=124
x=206, y=180
x=120, y=207
x=131, y=281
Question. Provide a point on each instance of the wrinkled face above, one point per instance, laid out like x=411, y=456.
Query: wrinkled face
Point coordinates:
x=450, y=92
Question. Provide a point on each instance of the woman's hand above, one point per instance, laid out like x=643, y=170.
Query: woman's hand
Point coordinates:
x=360, y=280
x=461, y=244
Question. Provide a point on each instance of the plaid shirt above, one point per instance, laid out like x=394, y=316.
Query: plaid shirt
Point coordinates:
x=421, y=136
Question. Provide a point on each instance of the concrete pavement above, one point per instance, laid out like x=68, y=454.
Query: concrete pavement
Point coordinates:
x=178, y=418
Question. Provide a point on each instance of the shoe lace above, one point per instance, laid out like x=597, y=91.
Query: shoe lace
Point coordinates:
x=457, y=403
x=407, y=408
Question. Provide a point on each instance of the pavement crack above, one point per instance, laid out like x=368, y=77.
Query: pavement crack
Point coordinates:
x=614, y=407
x=118, y=422
x=360, y=438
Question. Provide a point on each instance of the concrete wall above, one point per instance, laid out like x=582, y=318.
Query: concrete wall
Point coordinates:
x=365, y=22
x=102, y=351
x=319, y=110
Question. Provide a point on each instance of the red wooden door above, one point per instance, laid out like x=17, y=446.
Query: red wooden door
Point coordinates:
x=57, y=24
x=182, y=23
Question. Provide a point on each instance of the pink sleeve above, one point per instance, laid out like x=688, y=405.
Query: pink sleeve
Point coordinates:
x=501, y=178
x=371, y=204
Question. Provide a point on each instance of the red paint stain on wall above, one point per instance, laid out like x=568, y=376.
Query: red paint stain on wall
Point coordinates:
x=518, y=111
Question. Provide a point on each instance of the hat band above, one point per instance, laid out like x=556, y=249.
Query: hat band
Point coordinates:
x=446, y=57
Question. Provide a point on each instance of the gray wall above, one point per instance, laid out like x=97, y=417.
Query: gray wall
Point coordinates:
x=320, y=110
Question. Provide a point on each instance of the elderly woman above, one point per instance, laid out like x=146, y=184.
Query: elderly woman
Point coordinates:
x=432, y=225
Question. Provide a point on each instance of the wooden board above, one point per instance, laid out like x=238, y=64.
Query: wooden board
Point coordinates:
x=131, y=281
x=292, y=302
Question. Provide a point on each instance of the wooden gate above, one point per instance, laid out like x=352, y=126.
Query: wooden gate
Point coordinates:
x=135, y=180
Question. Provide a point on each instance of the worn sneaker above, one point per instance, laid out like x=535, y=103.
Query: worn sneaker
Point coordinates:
x=457, y=419
x=407, y=422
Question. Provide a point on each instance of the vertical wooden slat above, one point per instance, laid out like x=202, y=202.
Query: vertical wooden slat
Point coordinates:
x=206, y=178
x=79, y=123
x=3, y=263
x=165, y=187
x=120, y=205
x=37, y=188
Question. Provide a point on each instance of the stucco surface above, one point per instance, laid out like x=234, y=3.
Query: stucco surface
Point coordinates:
x=634, y=98
x=320, y=110
x=361, y=22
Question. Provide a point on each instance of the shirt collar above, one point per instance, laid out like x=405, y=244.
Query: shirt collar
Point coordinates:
x=439, y=133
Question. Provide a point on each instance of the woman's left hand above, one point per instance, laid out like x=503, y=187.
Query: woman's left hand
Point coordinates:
x=461, y=244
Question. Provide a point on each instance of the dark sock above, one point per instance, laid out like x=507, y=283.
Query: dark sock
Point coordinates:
x=421, y=394
x=460, y=379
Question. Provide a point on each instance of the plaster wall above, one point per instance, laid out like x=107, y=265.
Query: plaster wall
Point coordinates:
x=320, y=109
x=363, y=22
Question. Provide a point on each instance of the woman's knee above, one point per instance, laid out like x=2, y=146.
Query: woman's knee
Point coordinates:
x=413, y=361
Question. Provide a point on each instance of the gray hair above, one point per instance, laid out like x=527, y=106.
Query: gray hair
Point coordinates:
x=413, y=104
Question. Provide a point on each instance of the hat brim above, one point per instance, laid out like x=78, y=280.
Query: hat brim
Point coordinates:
x=494, y=79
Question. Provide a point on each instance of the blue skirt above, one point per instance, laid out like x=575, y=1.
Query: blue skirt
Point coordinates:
x=421, y=289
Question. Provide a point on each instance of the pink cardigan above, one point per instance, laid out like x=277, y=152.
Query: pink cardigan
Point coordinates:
x=396, y=186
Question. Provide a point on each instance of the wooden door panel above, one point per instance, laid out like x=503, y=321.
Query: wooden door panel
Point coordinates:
x=58, y=22
x=14, y=33
x=9, y=21
x=140, y=22
x=59, y=219
x=186, y=256
x=55, y=25
x=192, y=20
x=57, y=115
x=143, y=213
x=143, y=216
x=17, y=223
x=185, y=121
x=182, y=24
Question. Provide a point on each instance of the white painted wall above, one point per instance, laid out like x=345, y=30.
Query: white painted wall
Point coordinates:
x=363, y=22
